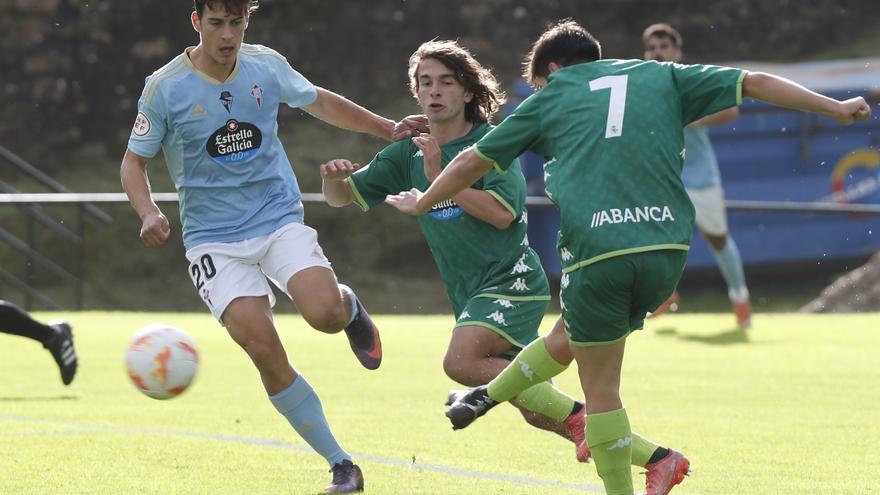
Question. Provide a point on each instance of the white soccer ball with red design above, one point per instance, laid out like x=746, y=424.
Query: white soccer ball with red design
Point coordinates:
x=162, y=361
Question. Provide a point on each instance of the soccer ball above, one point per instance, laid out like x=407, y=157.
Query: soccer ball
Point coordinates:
x=162, y=361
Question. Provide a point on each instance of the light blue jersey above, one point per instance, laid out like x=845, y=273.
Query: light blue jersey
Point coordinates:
x=221, y=144
x=700, y=168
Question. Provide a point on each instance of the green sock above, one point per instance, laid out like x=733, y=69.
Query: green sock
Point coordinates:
x=545, y=399
x=610, y=439
x=532, y=365
x=642, y=450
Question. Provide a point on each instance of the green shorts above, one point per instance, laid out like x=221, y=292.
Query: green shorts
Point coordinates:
x=516, y=321
x=604, y=302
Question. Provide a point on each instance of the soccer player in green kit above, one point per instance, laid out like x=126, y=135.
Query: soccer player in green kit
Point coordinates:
x=614, y=129
x=493, y=279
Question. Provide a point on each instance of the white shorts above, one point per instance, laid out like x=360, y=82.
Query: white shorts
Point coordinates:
x=711, y=217
x=224, y=271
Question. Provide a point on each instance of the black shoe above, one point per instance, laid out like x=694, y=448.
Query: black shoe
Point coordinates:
x=470, y=407
x=454, y=396
x=347, y=478
x=61, y=347
x=363, y=337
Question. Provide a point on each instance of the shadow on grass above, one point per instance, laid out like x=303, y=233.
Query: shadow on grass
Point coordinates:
x=728, y=337
x=38, y=398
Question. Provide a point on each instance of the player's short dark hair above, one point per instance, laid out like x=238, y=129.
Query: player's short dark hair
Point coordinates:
x=662, y=30
x=231, y=6
x=475, y=78
x=566, y=43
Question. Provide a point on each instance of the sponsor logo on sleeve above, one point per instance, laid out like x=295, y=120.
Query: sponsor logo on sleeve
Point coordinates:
x=142, y=125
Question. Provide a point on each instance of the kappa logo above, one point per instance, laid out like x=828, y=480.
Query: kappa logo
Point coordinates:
x=226, y=99
x=504, y=303
x=621, y=443
x=464, y=315
x=519, y=285
x=497, y=317
x=566, y=255
x=525, y=217
x=526, y=370
x=419, y=153
x=521, y=266
x=564, y=281
x=525, y=241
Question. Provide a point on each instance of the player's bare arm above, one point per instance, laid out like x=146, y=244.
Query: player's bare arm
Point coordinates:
x=720, y=118
x=346, y=114
x=155, y=229
x=463, y=171
x=785, y=93
x=477, y=203
x=336, y=190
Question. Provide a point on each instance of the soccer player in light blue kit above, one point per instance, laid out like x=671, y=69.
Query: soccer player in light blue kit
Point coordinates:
x=213, y=111
x=702, y=180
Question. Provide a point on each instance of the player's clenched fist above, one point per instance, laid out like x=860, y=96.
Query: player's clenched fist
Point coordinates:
x=852, y=110
x=155, y=229
x=338, y=169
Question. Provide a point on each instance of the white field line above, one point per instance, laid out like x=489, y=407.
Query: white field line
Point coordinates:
x=83, y=427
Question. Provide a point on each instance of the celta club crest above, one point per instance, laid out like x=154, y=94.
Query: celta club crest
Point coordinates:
x=226, y=100
x=257, y=93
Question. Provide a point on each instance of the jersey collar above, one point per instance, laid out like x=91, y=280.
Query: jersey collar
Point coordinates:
x=192, y=67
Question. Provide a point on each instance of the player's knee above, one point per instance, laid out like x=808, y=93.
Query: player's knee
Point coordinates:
x=263, y=353
x=328, y=318
x=454, y=366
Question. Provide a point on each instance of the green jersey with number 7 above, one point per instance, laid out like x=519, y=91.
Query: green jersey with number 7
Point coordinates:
x=612, y=133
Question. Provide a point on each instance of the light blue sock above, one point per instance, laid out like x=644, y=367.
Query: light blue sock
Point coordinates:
x=352, y=299
x=732, y=270
x=301, y=406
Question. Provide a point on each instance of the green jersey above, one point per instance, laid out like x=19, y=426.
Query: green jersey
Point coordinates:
x=475, y=258
x=612, y=133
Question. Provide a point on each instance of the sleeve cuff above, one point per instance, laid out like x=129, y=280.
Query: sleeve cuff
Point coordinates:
x=358, y=199
x=487, y=159
x=504, y=203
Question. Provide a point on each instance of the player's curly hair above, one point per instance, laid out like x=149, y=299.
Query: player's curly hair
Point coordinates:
x=475, y=78
x=231, y=6
x=566, y=43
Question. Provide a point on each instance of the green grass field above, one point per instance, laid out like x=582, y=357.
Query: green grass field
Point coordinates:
x=788, y=407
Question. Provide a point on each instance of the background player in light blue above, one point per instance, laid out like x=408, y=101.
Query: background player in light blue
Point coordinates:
x=702, y=179
x=213, y=111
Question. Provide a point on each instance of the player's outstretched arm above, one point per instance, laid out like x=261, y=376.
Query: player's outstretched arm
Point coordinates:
x=463, y=171
x=479, y=204
x=155, y=228
x=718, y=118
x=336, y=190
x=789, y=94
x=346, y=114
